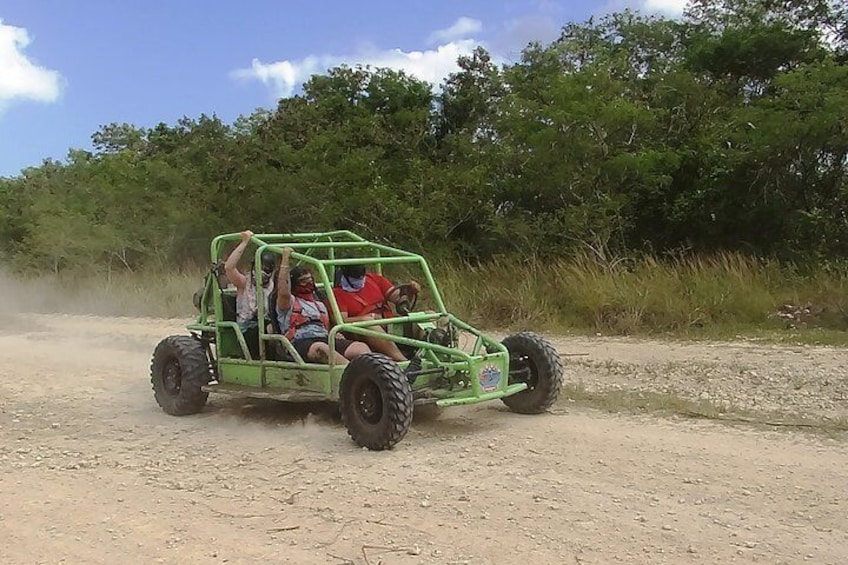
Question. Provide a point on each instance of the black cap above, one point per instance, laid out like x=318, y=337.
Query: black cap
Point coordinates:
x=353, y=271
x=269, y=261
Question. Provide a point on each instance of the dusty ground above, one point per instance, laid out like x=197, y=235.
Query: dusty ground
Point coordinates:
x=92, y=471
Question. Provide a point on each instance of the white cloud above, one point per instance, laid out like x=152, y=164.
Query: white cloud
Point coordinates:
x=432, y=65
x=20, y=78
x=666, y=7
x=461, y=29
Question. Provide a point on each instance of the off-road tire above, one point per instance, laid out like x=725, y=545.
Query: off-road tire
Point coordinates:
x=178, y=370
x=545, y=379
x=376, y=401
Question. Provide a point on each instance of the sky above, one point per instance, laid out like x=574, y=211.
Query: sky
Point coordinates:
x=67, y=68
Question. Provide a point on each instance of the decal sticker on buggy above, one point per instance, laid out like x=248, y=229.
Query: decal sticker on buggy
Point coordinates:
x=490, y=377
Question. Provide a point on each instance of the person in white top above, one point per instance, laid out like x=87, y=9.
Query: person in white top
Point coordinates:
x=246, y=295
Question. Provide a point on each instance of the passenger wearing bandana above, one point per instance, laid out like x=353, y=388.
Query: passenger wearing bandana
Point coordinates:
x=304, y=320
x=368, y=296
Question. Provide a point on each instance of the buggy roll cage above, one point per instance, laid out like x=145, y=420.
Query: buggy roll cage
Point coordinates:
x=304, y=246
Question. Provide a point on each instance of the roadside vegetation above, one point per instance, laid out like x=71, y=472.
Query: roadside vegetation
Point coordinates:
x=721, y=296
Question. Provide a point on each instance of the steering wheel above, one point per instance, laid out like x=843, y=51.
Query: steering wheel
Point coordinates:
x=407, y=299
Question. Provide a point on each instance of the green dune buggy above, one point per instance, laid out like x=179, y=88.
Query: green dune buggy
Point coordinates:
x=455, y=363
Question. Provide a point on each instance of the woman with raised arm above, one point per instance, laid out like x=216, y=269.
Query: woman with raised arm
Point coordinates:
x=246, y=307
x=304, y=319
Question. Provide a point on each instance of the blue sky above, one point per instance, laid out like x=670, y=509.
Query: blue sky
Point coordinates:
x=66, y=68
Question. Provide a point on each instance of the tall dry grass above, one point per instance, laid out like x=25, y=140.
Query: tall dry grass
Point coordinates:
x=717, y=294
x=722, y=292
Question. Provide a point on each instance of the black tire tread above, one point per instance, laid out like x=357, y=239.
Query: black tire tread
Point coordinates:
x=397, y=402
x=194, y=367
x=550, y=373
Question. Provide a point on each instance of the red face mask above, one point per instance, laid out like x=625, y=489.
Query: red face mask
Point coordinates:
x=306, y=288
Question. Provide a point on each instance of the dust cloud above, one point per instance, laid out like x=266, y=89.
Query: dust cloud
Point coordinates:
x=141, y=294
x=25, y=295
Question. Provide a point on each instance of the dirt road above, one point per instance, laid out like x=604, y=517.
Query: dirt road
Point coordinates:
x=92, y=471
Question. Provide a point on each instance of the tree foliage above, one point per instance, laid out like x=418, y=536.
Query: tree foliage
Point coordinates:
x=725, y=130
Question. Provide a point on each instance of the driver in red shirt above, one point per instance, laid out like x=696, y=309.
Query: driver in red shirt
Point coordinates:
x=367, y=296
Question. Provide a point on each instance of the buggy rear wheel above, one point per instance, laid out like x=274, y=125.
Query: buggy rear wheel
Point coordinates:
x=533, y=360
x=178, y=370
x=376, y=401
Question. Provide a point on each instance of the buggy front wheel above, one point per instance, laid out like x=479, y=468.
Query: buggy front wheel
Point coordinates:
x=533, y=360
x=178, y=370
x=376, y=401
